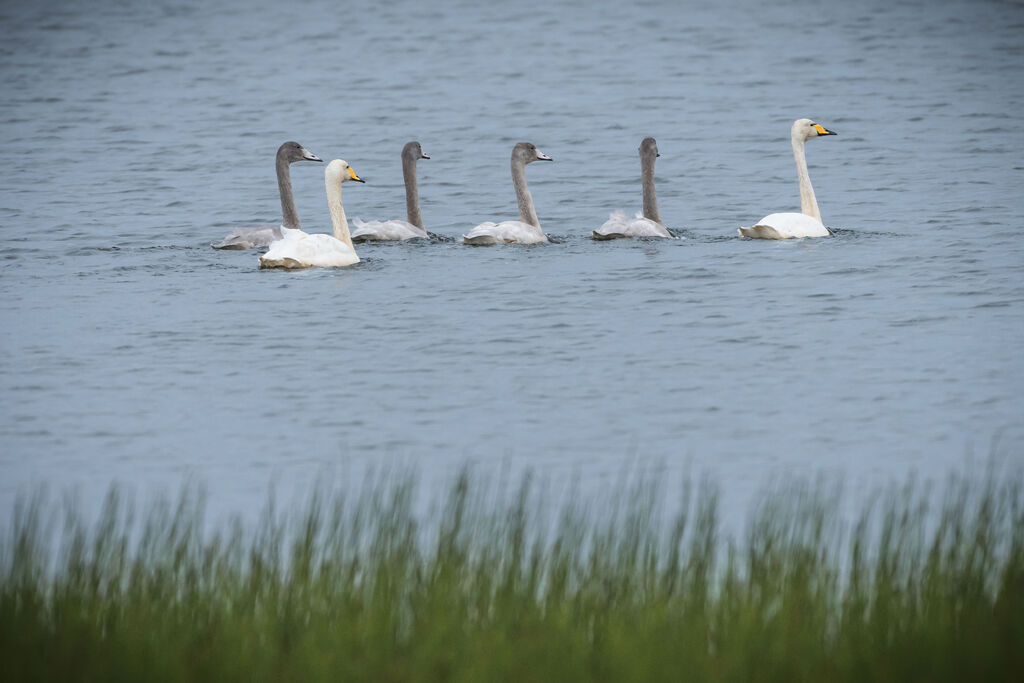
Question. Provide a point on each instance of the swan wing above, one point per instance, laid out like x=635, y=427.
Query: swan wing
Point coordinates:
x=249, y=238
x=298, y=249
x=780, y=226
x=505, y=232
x=619, y=225
x=368, y=231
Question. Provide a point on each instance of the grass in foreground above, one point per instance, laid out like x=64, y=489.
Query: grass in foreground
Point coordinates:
x=494, y=588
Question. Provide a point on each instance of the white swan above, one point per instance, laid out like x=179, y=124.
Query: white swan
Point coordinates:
x=807, y=223
x=248, y=238
x=647, y=224
x=367, y=231
x=297, y=249
x=527, y=229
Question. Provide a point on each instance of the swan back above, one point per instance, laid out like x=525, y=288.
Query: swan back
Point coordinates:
x=506, y=232
x=619, y=226
x=780, y=226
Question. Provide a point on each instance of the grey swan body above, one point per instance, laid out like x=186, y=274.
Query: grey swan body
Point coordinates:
x=649, y=224
x=527, y=229
x=250, y=238
x=372, y=231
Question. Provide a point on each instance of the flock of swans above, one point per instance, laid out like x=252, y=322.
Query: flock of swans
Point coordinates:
x=290, y=247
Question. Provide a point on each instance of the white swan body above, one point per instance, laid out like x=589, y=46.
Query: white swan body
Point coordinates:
x=297, y=249
x=807, y=223
x=250, y=238
x=780, y=226
x=648, y=223
x=527, y=229
x=367, y=231
x=619, y=225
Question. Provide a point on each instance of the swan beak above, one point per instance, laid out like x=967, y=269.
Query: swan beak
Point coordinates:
x=309, y=156
x=541, y=156
x=352, y=176
x=822, y=130
x=423, y=156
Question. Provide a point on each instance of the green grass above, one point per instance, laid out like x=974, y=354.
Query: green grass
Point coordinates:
x=495, y=586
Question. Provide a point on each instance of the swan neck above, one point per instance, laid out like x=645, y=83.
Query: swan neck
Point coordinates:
x=808, y=203
x=647, y=180
x=338, y=219
x=412, y=194
x=527, y=214
x=289, y=215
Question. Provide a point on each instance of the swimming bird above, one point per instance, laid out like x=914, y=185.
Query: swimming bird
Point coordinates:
x=248, y=238
x=297, y=249
x=398, y=230
x=527, y=229
x=807, y=223
x=647, y=224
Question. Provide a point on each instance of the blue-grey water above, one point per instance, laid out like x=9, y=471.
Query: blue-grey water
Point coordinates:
x=137, y=133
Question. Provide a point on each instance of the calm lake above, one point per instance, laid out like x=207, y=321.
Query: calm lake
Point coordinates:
x=139, y=133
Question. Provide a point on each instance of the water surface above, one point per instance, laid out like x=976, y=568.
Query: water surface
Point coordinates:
x=136, y=135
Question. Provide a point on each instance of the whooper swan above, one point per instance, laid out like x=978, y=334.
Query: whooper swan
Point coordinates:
x=807, y=223
x=297, y=249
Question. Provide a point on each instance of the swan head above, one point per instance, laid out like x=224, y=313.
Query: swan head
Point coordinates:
x=293, y=151
x=805, y=129
x=649, y=148
x=527, y=152
x=338, y=171
x=413, y=151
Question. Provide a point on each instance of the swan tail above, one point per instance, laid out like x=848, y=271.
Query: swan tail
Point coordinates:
x=762, y=232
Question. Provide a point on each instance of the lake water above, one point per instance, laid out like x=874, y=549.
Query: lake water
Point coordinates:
x=138, y=133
